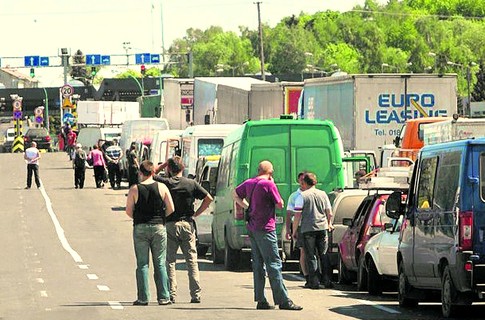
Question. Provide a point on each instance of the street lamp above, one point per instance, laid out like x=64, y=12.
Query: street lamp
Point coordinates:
x=468, y=81
x=126, y=47
x=386, y=65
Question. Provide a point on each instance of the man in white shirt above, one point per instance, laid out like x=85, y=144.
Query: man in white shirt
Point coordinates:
x=32, y=156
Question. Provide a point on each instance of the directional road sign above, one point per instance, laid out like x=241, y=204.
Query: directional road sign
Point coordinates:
x=17, y=115
x=106, y=60
x=31, y=61
x=44, y=61
x=93, y=59
x=68, y=117
x=154, y=58
x=142, y=58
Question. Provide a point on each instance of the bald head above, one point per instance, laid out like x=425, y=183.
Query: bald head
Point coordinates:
x=34, y=144
x=265, y=167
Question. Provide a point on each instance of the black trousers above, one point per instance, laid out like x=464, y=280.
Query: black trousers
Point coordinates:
x=132, y=175
x=315, y=244
x=114, y=174
x=98, y=175
x=33, y=168
x=79, y=174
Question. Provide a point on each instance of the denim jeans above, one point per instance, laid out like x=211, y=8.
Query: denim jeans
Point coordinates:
x=146, y=238
x=264, y=253
x=315, y=244
x=182, y=234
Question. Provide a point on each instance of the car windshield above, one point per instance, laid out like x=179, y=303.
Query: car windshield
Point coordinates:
x=210, y=147
x=36, y=133
x=10, y=134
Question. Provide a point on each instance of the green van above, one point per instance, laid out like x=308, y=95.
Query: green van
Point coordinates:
x=292, y=146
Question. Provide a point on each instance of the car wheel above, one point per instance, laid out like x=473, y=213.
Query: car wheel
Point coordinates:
x=373, y=279
x=231, y=257
x=361, y=275
x=343, y=273
x=404, y=288
x=448, y=295
x=217, y=255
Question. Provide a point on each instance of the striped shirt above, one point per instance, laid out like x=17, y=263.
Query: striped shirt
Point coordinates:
x=114, y=152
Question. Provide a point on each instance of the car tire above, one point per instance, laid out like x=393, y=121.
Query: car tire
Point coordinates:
x=403, y=290
x=217, y=254
x=343, y=273
x=373, y=279
x=231, y=256
x=449, y=295
x=361, y=275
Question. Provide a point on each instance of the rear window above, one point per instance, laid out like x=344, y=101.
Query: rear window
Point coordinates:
x=347, y=207
x=36, y=133
x=209, y=147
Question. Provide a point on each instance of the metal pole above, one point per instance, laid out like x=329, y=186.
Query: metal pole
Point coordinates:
x=64, y=63
x=468, y=103
x=261, y=50
x=138, y=83
x=46, y=110
x=163, y=35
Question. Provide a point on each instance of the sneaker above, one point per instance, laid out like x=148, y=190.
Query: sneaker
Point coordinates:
x=27, y=188
x=164, y=302
x=264, y=305
x=289, y=305
x=172, y=299
x=195, y=300
x=329, y=285
x=140, y=303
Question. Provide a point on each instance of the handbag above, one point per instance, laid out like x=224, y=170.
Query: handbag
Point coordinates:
x=247, y=212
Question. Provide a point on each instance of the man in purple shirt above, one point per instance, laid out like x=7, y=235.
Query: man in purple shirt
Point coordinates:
x=263, y=197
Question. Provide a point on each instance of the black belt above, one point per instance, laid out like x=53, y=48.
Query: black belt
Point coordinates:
x=187, y=219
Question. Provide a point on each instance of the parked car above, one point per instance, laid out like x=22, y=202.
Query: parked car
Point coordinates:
x=9, y=138
x=344, y=205
x=380, y=257
x=40, y=136
x=369, y=220
x=441, y=251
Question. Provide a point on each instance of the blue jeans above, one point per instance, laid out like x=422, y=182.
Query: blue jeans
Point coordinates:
x=264, y=252
x=146, y=238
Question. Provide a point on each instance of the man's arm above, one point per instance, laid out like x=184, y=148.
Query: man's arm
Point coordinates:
x=241, y=202
x=130, y=201
x=296, y=223
x=329, y=214
x=204, y=205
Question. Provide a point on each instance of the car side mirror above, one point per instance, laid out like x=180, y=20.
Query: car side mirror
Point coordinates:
x=388, y=226
x=347, y=222
x=394, y=206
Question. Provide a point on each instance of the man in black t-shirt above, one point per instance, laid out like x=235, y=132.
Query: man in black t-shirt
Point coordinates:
x=180, y=225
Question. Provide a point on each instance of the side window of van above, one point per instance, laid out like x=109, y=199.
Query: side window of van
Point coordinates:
x=482, y=176
x=447, y=180
x=426, y=183
x=186, y=152
x=223, y=176
x=233, y=164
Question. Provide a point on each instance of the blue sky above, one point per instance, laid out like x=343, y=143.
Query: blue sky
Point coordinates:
x=41, y=27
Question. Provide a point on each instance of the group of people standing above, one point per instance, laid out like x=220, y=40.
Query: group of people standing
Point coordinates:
x=162, y=209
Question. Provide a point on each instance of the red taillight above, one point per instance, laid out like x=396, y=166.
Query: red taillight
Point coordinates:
x=48, y=138
x=466, y=230
x=468, y=266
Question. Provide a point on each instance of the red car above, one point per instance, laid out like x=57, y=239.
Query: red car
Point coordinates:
x=369, y=220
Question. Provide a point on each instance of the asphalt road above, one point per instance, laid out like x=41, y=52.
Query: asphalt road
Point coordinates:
x=68, y=254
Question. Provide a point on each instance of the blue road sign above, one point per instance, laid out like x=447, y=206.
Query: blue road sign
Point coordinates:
x=154, y=58
x=31, y=61
x=93, y=59
x=68, y=117
x=142, y=58
x=39, y=119
x=44, y=61
x=17, y=115
x=106, y=60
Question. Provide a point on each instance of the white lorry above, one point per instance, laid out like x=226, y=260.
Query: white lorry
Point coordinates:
x=453, y=129
x=369, y=110
x=106, y=112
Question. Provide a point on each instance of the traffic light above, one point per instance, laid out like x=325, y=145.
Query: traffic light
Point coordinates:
x=93, y=71
x=32, y=72
x=142, y=69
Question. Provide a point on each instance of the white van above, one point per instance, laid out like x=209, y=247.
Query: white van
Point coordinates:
x=201, y=141
x=143, y=130
x=89, y=136
x=165, y=144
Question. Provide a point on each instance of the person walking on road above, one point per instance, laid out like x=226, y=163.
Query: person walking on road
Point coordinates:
x=313, y=209
x=79, y=166
x=97, y=158
x=149, y=203
x=113, y=154
x=290, y=212
x=265, y=198
x=132, y=160
x=180, y=225
x=32, y=156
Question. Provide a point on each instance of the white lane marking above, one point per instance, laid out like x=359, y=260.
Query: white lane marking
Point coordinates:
x=380, y=307
x=39, y=270
x=92, y=276
x=43, y=294
x=115, y=305
x=103, y=288
x=83, y=266
x=39, y=280
x=60, y=232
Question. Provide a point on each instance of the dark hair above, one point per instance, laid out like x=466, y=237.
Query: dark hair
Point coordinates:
x=175, y=165
x=302, y=173
x=310, y=178
x=146, y=168
x=132, y=145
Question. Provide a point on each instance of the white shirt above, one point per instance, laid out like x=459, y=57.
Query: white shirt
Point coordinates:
x=32, y=153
